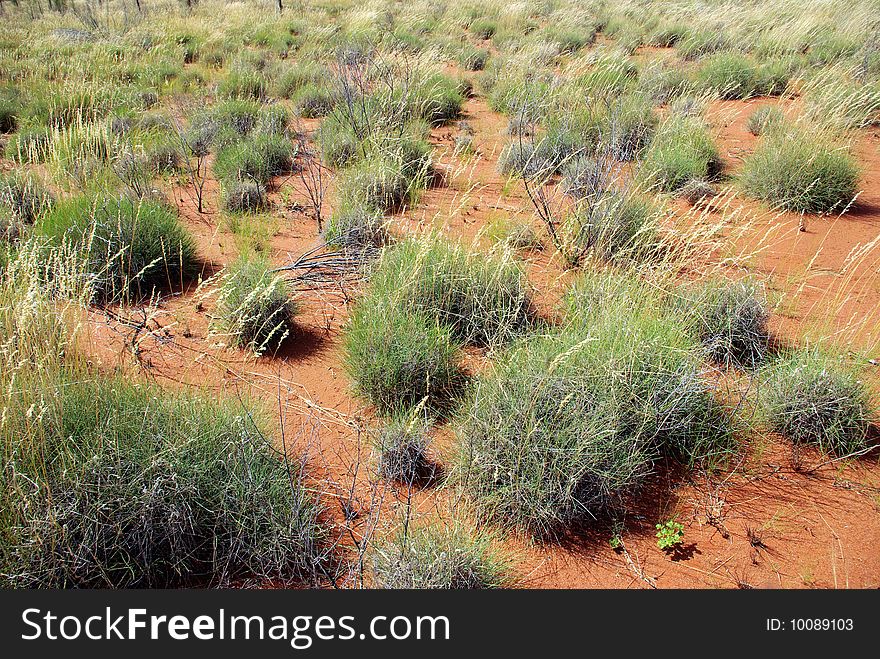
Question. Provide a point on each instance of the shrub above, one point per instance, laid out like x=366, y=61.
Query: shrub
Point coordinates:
x=483, y=301
x=274, y=121
x=681, y=150
x=298, y=75
x=437, y=99
x=614, y=225
x=399, y=358
x=121, y=485
x=483, y=28
x=28, y=146
x=356, y=229
x=773, y=76
x=243, y=85
x=244, y=197
x=339, y=144
x=731, y=75
x=664, y=83
x=25, y=196
x=311, y=101
x=697, y=44
x=254, y=306
x=764, y=119
x=570, y=39
x=514, y=234
x=257, y=159
x=525, y=160
x=429, y=557
x=697, y=191
x=584, y=177
x=402, y=449
x=378, y=184
x=237, y=115
x=728, y=318
x=628, y=126
x=793, y=170
x=472, y=58
x=10, y=109
x=568, y=425
x=813, y=398
x=131, y=246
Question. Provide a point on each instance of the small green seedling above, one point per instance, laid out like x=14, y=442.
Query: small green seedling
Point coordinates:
x=669, y=534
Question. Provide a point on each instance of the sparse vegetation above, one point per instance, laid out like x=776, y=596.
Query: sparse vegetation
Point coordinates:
x=490, y=269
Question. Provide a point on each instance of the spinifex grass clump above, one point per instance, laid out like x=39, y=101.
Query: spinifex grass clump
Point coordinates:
x=728, y=318
x=116, y=484
x=402, y=449
x=439, y=557
x=399, y=358
x=731, y=75
x=483, y=301
x=815, y=398
x=681, y=150
x=356, y=229
x=24, y=196
x=256, y=159
x=764, y=119
x=131, y=246
x=254, y=306
x=796, y=171
x=569, y=424
x=612, y=225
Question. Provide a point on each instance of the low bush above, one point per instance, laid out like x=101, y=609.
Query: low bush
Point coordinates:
x=379, y=184
x=731, y=75
x=764, y=119
x=402, y=449
x=472, y=58
x=356, y=229
x=682, y=149
x=697, y=191
x=340, y=146
x=120, y=484
x=432, y=557
x=399, y=358
x=25, y=196
x=131, y=246
x=298, y=75
x=728, y=318
x=240, y=84
x=568, y=425
x=244, y=197
x=256, y=159
x=254, y=306
x=662, y=84
x=483, y=28
x=437, y=99
x=627, y=127
x=814, y=398
x=239, y=116
x=10, y=109
x=613, y=225
x=312, y=101
x=798, y=172
x=483, y=301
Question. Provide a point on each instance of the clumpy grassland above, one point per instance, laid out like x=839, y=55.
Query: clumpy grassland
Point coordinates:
x=439, y=294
